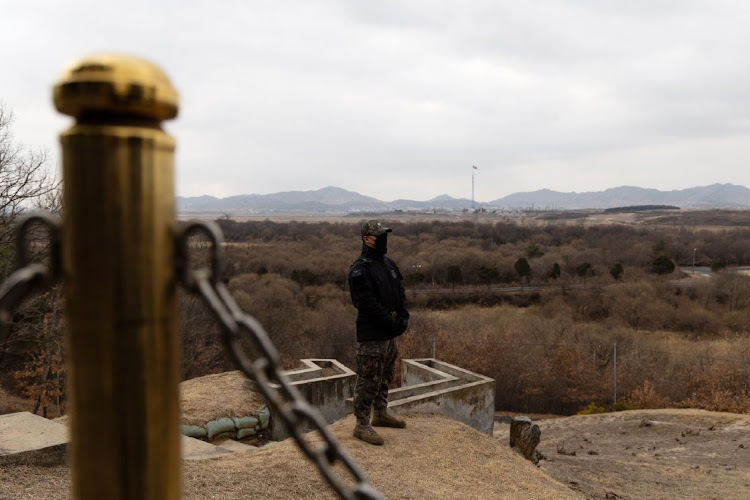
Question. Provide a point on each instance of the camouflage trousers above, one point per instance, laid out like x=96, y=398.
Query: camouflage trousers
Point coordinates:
x=376, y=363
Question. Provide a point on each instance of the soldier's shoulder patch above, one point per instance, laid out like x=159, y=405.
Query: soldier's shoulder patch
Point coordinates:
x=356, y=271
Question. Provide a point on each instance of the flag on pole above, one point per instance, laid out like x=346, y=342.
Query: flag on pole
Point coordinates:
x=474, y=167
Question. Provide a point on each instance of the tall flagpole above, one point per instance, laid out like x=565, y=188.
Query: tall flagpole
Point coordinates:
x=472, y=186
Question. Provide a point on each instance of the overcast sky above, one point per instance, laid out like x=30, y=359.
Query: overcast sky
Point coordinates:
x=398, y=99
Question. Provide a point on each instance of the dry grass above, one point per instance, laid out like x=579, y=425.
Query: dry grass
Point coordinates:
x=215, y=396
x=434, y=457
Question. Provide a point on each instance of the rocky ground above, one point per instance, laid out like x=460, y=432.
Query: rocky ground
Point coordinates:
x=659, y=454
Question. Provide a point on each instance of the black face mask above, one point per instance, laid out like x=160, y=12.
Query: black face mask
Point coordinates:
x=381, y=243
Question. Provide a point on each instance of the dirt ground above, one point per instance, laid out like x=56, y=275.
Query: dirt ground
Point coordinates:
x=433, y=458
x=642, y=454
x=648, y=454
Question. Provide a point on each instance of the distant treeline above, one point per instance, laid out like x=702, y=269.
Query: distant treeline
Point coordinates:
x=639, y=208
x=476, y=253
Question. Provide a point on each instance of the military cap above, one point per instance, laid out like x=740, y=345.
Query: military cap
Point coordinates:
x=374, y=228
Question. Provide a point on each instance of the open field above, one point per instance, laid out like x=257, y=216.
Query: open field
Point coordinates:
x=659, y=454
x=695, y=219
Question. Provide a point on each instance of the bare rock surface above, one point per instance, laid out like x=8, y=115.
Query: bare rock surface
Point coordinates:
x=648, y=454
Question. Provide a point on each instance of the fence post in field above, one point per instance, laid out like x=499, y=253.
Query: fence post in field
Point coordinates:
x=119, y=272
x=614, y=375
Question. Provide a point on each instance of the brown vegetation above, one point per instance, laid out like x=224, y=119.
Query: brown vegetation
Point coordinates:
x=703, y=218
x=31, y=344
x=550, y=348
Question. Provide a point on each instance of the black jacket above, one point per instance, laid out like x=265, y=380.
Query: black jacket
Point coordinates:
x=377, y=293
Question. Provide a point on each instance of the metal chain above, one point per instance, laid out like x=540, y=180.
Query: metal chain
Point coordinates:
x=30, y=277
x=285, y=400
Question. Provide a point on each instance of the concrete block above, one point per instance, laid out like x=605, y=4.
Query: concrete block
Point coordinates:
x=31, y=439
x=327, y=391
x=472, y=401
x=433, y=386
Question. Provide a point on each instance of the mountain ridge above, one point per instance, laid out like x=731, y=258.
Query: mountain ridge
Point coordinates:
x=332, y=199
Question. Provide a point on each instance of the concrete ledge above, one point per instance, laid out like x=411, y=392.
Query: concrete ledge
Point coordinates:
x=30, y=439
x=470, y=399
x=326, y=384
x=433, y=386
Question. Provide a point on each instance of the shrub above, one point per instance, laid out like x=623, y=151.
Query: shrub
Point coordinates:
x=718, y=265
x=662, y=265
x=534, y=251
x=591, y=409
x=555, y=272
x=616, y=271
x=646, y=396
x=623, y=406
x=304, y=277
x=522, y=268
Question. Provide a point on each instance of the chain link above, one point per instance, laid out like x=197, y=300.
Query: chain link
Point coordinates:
x=296, y=414
x=30, y=277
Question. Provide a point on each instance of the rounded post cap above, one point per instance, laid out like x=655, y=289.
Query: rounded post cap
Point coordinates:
x=115, y=84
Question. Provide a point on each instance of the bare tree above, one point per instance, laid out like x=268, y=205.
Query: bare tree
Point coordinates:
x=732, y=289
x=26, y=182
x=31, y=345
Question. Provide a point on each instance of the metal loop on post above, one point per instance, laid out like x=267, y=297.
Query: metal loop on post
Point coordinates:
x=53, y=225
x=296, y=414
x=30, y=277
x=215, y=237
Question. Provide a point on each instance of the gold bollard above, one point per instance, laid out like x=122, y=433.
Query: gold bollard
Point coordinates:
x=119, y=272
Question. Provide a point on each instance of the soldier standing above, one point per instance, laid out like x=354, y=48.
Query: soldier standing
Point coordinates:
x=377, y=293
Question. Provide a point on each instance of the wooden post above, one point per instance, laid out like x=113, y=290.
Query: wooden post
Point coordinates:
x=118, y=266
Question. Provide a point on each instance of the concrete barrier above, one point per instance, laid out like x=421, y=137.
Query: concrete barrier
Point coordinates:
x=326, y=384
x=433, y=386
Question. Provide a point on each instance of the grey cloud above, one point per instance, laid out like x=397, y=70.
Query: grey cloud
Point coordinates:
x=321, y=93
